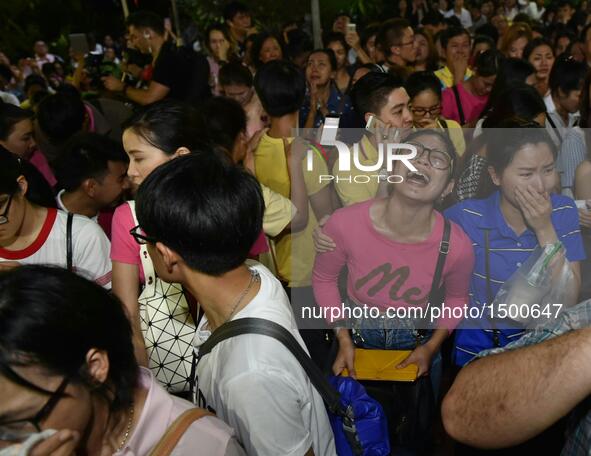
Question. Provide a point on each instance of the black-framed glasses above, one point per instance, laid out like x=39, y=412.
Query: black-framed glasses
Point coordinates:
x=408, y=43
x=437, y=158
x=140, y=237
x=19, y=430
x=433, y=111
x=4, y=215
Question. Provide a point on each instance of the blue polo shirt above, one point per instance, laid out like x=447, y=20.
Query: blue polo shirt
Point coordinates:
x=338, y=105
x=507, y=253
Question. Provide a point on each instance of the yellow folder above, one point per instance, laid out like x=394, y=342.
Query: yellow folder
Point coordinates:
x=381, y=365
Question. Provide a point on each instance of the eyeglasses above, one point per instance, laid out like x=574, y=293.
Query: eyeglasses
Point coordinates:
x=408, y=43
x=4, y=215
x=433, y=111
x=437, y=159
x=140, y=237
x=20, y=430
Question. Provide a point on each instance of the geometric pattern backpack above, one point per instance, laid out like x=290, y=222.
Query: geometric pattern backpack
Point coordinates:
x=167, y=326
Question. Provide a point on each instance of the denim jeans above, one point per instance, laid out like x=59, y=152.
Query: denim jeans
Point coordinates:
x=378, y=334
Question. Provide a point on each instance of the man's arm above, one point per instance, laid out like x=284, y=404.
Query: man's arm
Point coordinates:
x=505, y=399
x=153, y=93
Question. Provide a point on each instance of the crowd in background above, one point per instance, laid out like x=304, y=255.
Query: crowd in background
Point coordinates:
x=157, y=164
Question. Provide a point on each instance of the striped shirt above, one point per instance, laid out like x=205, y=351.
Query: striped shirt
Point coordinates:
x=571, y=153
x=578, y=439
x=508, y=252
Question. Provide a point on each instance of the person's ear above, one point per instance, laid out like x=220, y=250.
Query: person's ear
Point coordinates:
x=448, y=188
x=494, y=176
x=169, y=257
x=181, y=151
x=395, y=50
x=89, y=187
x=97, y=364
x=23, y=185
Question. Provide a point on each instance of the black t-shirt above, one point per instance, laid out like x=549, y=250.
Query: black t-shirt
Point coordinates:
x=174, y=68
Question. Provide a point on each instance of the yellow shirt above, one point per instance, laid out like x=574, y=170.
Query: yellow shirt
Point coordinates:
x=279, y=211
x=357, y=192
x=456, y=135
x=295, y=252
x=447, y=79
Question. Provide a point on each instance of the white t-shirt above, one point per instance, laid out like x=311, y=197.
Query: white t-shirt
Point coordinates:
x=90, y=247
x=465, y=17
x=259, y=388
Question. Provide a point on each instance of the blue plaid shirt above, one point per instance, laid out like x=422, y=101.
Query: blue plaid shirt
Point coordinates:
x=578, y=442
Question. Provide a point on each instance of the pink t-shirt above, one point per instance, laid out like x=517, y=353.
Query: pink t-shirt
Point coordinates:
x=471, y=104
x=207, y=435
x=384, y=273
x=124, y=249
x=39, y=161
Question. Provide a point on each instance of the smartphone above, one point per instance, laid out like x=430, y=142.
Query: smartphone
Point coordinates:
x=167, y=23
x=582, y=204
x=351, y=27
x=79, y=43
x=329, y=130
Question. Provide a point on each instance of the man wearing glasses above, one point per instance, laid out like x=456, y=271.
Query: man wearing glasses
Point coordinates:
x=396, y=40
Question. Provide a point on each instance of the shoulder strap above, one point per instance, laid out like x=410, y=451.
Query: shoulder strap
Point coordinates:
x=147, y=265
x=489, y=295
x=459, y=104
x=554, y=127
x=177, y=429
x=69, y=250
x=271, y=329
x=443, y=251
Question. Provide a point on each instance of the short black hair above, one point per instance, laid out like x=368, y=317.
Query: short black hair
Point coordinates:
x=235, y=73
x=5, y=73
x=207, y=210
x=86, y=156
x=516, y=100
x=51, y=318
x=60, y=116
x=224, y=119
x=281, y=87
x=536, y=42
x=146, y=19
x=329, y=53
x=233, y=8
x=433, y=18
x=488, y=63
x=452, y=32
x=258, y=43
x=369, y=94
x=10, y=115
x=567, y=75
x=336, y=36
x=33, y=80
x=420, y=81
x=488, y=30
x=390, y=34
x=167, y=125
x=483, y=39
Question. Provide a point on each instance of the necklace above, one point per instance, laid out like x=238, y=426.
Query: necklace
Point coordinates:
x=128, y=430
x=254, y=278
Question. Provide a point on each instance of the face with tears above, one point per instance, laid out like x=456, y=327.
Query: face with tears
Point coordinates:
x=434, y=165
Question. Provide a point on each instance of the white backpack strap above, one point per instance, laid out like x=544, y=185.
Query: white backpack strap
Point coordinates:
x=147, y=265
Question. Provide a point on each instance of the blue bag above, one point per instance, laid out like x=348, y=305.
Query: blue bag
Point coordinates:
x=358, y=422
x=368, y=417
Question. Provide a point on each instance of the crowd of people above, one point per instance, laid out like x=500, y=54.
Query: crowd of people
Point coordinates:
x=158, y=187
